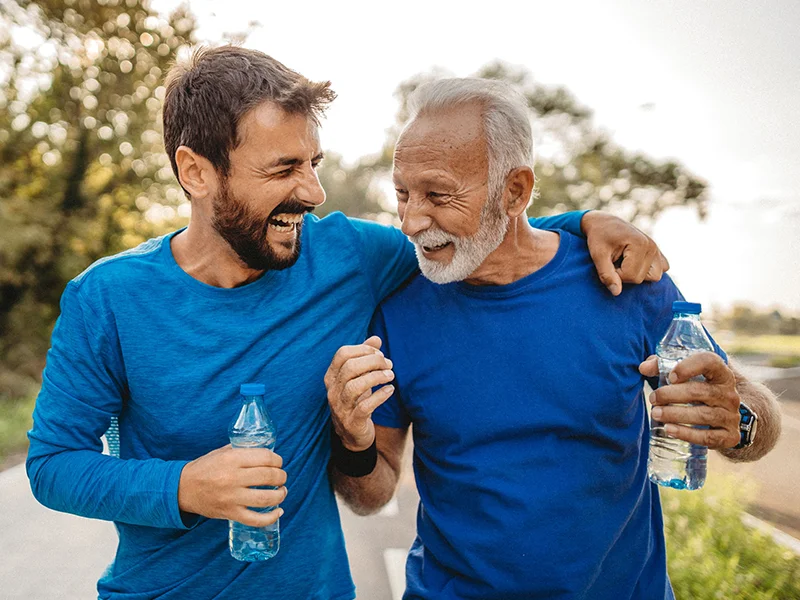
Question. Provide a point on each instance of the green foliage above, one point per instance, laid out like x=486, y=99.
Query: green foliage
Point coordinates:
x=785, y=362
x=578, y=165
x=744, y=319
x=15, y=421
x=776, y=345
x=712, y=555
x=351, y=190
x=82, y=168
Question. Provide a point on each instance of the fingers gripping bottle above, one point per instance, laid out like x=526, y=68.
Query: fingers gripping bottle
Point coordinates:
x=253, y=428
x=672, y=462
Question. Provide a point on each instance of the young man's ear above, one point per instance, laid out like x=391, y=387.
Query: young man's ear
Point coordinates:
x=196, y=173
x=519, y=187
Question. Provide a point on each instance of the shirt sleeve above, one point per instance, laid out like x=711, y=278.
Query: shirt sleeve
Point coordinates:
x=657, y=308
x=391, y=413
x=388, y=257
x=83, y=387
x=568, y=221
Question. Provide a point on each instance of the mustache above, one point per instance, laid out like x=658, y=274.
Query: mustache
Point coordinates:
x=432, y=237
x=292, y=206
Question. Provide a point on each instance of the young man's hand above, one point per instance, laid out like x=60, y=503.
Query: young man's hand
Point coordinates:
x=223, y=484
x=620, y=252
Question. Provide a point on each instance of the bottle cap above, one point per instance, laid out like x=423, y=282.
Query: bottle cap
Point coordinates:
x=252, y=389
x=691, y=308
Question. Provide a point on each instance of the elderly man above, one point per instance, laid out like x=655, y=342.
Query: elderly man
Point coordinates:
x=159, y=339
x=521, y=377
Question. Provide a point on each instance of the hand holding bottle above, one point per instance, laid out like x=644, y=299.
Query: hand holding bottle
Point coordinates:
x=222, y=485
x=713, y=403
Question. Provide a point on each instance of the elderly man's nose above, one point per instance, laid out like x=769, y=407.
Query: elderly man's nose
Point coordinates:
x=414, y=219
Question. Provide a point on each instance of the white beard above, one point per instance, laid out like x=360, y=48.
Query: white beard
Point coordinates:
x=469, y=252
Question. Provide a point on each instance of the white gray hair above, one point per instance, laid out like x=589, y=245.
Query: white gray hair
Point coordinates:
x=509, y=140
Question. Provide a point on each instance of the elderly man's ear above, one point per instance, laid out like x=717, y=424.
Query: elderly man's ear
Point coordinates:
x=519, y=186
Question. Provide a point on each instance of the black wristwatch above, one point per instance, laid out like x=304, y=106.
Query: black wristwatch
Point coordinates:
x=748, y=420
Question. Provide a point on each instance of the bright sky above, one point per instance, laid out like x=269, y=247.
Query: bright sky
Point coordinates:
x=714, y=84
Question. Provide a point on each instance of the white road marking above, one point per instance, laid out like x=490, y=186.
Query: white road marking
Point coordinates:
x=781, y=537
x=395, y=561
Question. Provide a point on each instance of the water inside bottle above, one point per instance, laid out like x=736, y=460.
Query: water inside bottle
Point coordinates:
x=672, y=462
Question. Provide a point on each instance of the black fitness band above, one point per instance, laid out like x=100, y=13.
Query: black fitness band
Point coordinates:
x=353, y=464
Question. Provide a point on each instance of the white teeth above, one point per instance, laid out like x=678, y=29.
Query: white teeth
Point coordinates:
x=282, y=228
x=432, y=248
x=288, y=218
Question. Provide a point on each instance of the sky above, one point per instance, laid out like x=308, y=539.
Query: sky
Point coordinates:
x=713, y=84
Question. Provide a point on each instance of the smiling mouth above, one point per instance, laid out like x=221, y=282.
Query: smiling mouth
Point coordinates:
x=285, y=222
x=436, y=248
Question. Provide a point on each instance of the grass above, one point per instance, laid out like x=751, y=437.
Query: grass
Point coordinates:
x=15, y=421
x=785, y=362
x=778, y=345
x=712, y=555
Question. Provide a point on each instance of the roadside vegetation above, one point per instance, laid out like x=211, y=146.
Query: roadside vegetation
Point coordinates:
x=712, y=555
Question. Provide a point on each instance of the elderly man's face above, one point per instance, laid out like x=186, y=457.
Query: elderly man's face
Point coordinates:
x=443, y=197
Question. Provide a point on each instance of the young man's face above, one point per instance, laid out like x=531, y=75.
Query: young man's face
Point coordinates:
x=272, y=183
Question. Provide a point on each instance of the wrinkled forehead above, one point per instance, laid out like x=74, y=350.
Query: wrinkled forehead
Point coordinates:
x=451, y=140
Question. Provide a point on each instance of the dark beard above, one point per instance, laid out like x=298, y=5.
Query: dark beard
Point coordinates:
x=247, y=235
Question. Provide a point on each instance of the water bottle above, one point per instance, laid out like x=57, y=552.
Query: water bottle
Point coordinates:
x=253, y=428
x=672, y=462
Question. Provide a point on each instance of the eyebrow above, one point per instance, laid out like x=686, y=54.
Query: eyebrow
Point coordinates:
x=291, y=162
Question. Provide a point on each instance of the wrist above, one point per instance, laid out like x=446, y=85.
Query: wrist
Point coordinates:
x=353, y=463
x=185, y=489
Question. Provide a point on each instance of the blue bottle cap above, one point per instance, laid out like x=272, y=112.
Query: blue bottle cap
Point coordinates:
x=252, y=389
x=691, y=308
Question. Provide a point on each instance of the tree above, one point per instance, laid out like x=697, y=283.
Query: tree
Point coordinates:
x=578, y=165
x=82, y=167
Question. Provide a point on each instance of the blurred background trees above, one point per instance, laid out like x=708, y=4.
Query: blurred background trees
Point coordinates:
x=82, y=168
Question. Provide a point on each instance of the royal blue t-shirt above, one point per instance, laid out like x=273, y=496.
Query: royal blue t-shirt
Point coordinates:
x=530, y=433
x=141, y=340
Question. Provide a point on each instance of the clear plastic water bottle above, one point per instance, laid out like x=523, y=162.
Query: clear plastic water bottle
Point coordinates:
x=253, y=428
x=672, y=462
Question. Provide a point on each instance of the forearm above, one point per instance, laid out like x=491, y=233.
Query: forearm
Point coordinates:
x=366, y=495
x=764, y=403
x=93, y=485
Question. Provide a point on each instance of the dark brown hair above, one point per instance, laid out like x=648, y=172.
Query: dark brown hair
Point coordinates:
x=207, y=98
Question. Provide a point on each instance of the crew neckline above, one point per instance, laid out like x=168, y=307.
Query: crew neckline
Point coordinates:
x=204, y=289
x=515, y=287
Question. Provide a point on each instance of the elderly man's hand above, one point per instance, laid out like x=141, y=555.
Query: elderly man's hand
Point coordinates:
x=354, y=371
x=620, y=252
x=716, y=401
